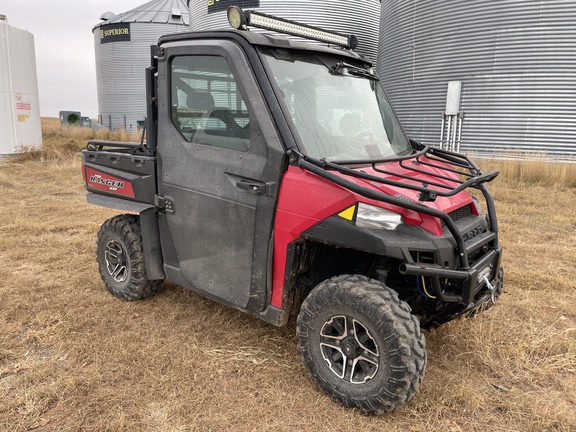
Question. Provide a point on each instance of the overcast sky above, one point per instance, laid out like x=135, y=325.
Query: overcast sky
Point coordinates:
x=64, y=43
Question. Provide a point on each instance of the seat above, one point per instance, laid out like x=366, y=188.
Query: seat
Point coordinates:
x=197, y=104
x=199, y=101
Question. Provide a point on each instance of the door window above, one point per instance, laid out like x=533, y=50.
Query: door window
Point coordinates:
x=206, y=105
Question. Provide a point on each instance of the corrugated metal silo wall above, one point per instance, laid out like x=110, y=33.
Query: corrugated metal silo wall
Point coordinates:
x=120, y=73
x=516, y=60
x=359, y=17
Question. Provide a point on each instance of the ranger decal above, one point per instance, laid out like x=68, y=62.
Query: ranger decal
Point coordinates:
x=114, y=184
x=107, y=183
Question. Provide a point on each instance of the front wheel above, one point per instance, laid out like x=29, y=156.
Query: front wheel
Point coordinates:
x=361, y=343
x=121, y=259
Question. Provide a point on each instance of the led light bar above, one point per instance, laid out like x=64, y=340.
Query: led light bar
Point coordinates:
x=240, y=19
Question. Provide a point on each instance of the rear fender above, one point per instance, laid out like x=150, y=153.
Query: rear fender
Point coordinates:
x=148, y=226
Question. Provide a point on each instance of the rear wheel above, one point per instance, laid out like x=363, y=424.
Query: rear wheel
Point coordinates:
x=361, y=343
x=121, y=260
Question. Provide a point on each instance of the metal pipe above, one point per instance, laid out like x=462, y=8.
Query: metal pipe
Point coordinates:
x=454, y=134
x=448, y=133
x=442, y=130
x=460, y=117
x=420, y=269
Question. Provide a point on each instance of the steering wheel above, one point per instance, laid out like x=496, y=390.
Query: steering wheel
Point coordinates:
x=358, y=141
x=364, y=135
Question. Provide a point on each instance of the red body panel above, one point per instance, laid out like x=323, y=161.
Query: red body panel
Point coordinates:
x=305, y=199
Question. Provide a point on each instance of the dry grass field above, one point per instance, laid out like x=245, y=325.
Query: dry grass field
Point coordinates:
x=74, y=358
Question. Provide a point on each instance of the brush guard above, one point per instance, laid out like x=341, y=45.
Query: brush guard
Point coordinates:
x=424, y=160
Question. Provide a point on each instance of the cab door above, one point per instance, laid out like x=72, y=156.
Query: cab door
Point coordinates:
x=220, y=163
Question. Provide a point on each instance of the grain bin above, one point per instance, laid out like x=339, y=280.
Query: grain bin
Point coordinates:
x=20, y=127
x=122, y=45
x=359, y=17
x=505, y=70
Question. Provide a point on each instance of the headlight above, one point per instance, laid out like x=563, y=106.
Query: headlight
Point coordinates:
x=369, y=216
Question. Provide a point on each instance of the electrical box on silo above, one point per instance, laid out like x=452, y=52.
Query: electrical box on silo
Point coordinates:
x=19, y=105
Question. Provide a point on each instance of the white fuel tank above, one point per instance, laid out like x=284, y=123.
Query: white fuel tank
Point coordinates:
x=19, y=105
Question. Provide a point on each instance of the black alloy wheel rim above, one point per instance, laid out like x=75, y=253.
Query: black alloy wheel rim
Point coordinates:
x=349, y=350
x=116, y=261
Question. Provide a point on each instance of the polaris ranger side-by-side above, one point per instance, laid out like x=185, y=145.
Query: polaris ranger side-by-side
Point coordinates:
x=275, y=178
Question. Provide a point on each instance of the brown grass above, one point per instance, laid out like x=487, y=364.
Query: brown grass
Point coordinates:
x=73, y=358
x=60, y=143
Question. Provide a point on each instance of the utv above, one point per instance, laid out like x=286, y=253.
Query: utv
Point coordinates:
x=276, y=179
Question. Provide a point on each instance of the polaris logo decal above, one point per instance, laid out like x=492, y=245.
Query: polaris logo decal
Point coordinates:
x=469, y=235
x=107, y=183
x=402, y=197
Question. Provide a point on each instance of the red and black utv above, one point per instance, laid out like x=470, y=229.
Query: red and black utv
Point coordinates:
x=275, y=178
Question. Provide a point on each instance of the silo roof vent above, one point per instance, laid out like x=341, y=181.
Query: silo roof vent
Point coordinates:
x=106, y=16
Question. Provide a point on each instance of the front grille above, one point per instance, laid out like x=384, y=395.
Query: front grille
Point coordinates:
x=459, y=214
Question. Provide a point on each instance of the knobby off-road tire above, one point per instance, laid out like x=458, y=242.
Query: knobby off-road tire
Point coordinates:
x=121, y=260
x=361, y=343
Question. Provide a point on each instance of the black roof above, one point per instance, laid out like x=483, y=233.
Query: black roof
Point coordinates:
x=262, y=39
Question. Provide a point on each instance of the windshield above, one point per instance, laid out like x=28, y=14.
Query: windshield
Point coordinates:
x=339, y=110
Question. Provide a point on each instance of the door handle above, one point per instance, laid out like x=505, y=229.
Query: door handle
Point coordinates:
x=254, y=187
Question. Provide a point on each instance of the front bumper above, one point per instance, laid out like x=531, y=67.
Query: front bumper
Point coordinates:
x=482, y=274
